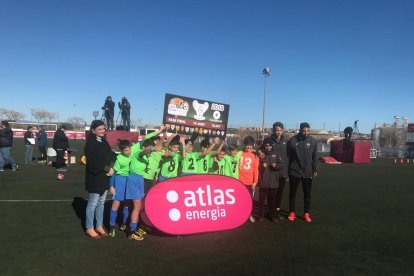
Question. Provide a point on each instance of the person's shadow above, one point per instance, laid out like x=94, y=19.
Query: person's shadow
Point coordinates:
x=79, y=206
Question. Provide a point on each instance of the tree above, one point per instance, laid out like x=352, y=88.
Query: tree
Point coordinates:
x=2, y=112
x=11, y=115
x=77, y=122
x=50, y=116
x=39, y=114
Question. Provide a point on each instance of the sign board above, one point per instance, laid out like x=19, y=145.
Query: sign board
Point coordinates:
x=185, y=115
x=198, y=203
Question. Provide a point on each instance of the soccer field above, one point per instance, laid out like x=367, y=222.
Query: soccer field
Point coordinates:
x=362, y=225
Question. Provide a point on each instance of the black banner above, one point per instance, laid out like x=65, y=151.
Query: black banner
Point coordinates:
x=186, y=115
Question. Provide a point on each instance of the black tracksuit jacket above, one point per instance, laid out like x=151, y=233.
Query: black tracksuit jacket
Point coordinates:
x=302, y=156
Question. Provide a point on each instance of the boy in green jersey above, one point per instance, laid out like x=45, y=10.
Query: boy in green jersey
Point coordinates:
x=152, y=159
x=205, y=159
x=231, y=166
x=138, y=166
x=152, y=170
x=119, y=186
x=171, y=159
x=189, y=165
x=218, y=161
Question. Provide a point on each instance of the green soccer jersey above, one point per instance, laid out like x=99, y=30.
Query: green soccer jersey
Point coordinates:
x=153, y=164
x=139, y=163
x=231, y=166
x=170, y=167
x=204, y=163
x=136, y=148
x=189, y=163
x=121, y=166
x=218, y=167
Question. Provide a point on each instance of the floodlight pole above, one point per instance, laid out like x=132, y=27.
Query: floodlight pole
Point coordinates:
x=396, y=122
x=266, y=73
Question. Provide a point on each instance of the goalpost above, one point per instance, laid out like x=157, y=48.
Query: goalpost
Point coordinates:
x=19, y=126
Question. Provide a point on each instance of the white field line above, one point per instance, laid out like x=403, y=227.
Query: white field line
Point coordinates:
x=41, y=200
x=36, y=200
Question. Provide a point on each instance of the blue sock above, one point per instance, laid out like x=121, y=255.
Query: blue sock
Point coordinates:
x=112, y=217
x=126, y=214
x=133, y=226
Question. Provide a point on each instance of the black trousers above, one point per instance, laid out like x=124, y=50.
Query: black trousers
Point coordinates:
x=109, y=121
x=42, y=150
x=279, y=194
x=60, y=160
x=270, y=194
x=126, y=121
x=307, y=187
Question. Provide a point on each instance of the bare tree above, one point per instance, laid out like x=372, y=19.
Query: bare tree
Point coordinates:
x=12, y=115
x=39, y=114
x=2, y=112
x=50, y=116
x=77, y=122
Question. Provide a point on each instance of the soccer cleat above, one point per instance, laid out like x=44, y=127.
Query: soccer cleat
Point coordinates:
x=136, y=235
x=15, y=168
x=307, y=217
x=123, y=227
x=292, y=216
x=142, y=231
x=251, y=218
x=112, y=231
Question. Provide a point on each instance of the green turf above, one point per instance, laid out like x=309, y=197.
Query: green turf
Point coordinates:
x=363, y=225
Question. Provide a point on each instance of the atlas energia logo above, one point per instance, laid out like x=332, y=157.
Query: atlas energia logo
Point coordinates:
x=198, y=203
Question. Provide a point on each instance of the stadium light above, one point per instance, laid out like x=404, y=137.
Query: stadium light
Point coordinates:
x=95, y=114
x=266, y=73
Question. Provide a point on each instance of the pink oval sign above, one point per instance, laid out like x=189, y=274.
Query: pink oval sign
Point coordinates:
x=198, y=203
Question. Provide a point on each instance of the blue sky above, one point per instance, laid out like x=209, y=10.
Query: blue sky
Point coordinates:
x=332, y=62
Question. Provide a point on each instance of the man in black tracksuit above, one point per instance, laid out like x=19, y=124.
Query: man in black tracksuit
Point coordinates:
x=279, y=143
x=303, y=167
x=60, y=145
x=109, y=109
x=125, y=108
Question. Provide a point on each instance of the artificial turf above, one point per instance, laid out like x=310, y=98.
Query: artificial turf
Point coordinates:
x=362, y=225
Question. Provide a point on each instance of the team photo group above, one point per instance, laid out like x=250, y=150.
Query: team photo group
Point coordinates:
x=131, y=174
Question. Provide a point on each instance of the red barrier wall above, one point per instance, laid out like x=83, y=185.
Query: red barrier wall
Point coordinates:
x=351, y=151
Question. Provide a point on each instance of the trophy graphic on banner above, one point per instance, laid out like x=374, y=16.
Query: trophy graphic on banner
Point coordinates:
x=200, y=109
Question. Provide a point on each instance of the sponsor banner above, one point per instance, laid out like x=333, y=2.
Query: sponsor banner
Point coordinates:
x=185, y=115
x=50, y=134
x=198, y=203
